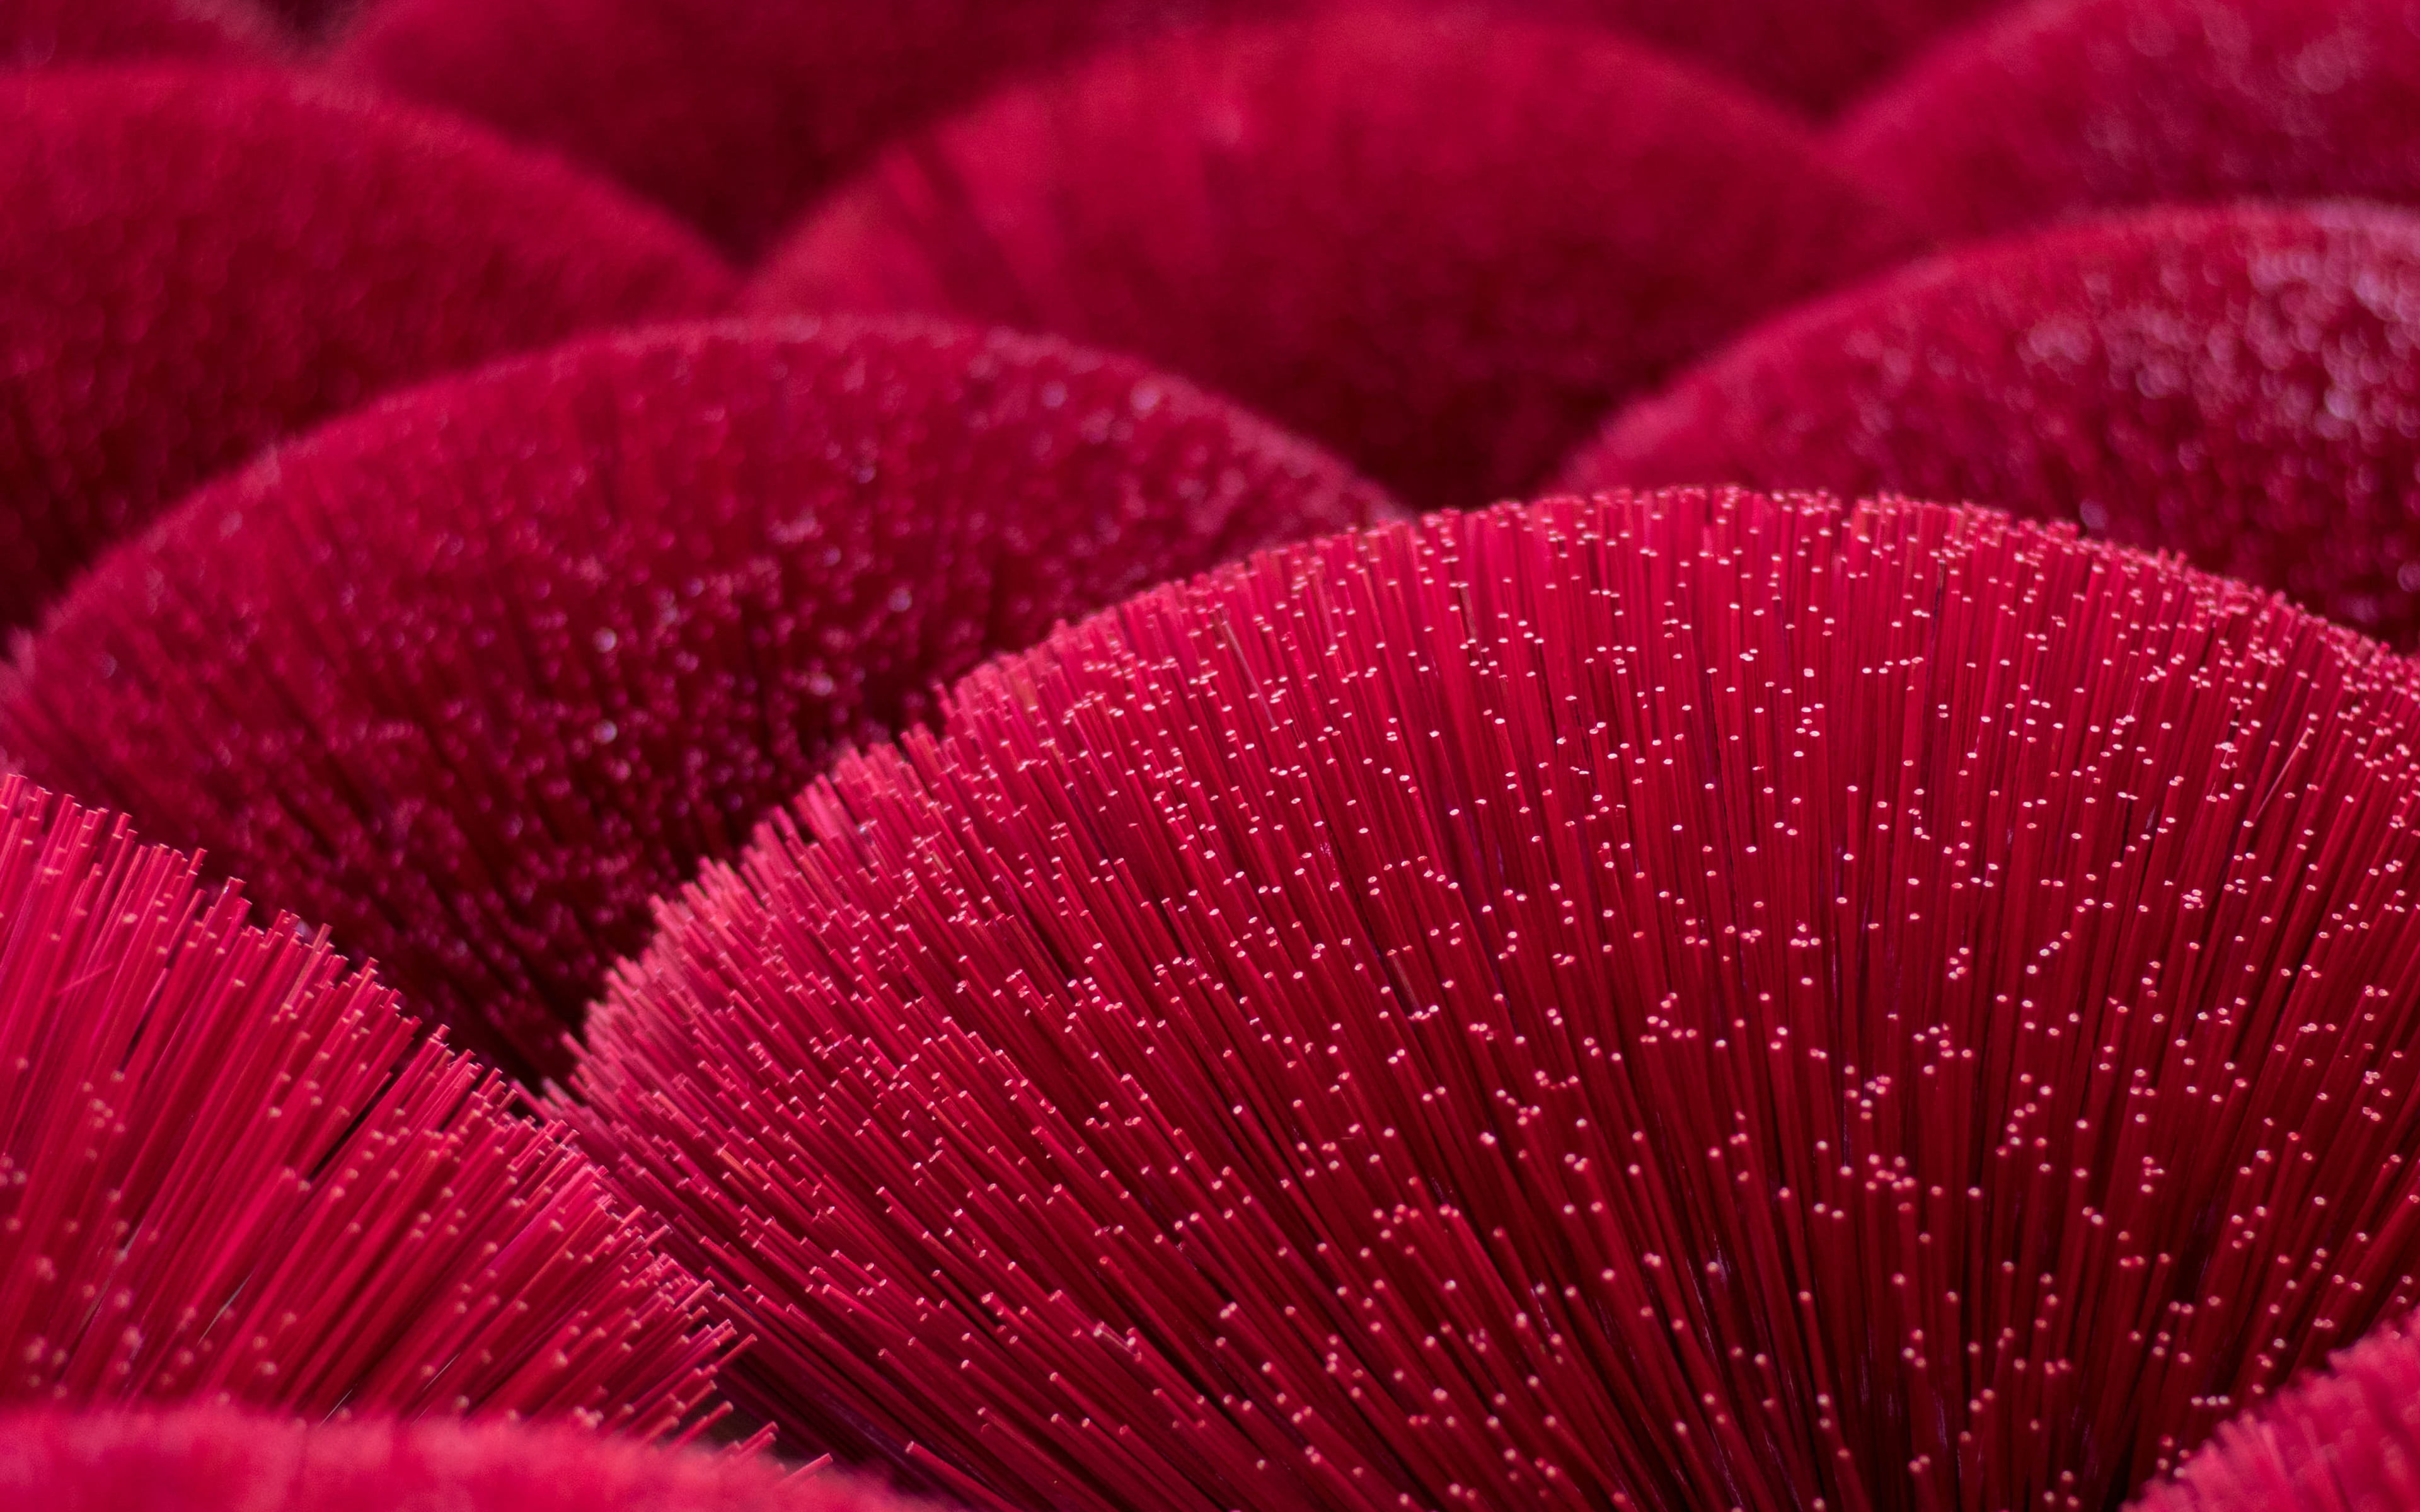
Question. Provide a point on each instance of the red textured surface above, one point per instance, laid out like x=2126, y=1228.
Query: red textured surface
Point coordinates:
x=1442, y=247
x=2345, y=1442
x=197, y=261
x=230, y=1170
x=216, y=1461
x=1670, y=1003
x=2240, y=386
x=34, y=33
x=737, y=113
x=472, y=675
x=2064, y=106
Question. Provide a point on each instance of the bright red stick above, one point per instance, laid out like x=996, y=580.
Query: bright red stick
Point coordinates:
x=232, y=1170
x=475, y=675
x=2348, y=1441
x=2241, y=386
x=1671, y=1002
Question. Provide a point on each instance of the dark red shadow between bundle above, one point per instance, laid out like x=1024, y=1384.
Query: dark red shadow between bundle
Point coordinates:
x=318, y=18
x=2241, y=386
x=194, y=262
x=735, y=113
x=1669, y=1002
x=217, y=1460
x=1442, y=246
x=2345, y=1442
x=2065, y=106
x=1815, y=54
x=738, y=113
x=231, y=1170
x=473, y=674
x=38, y=33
